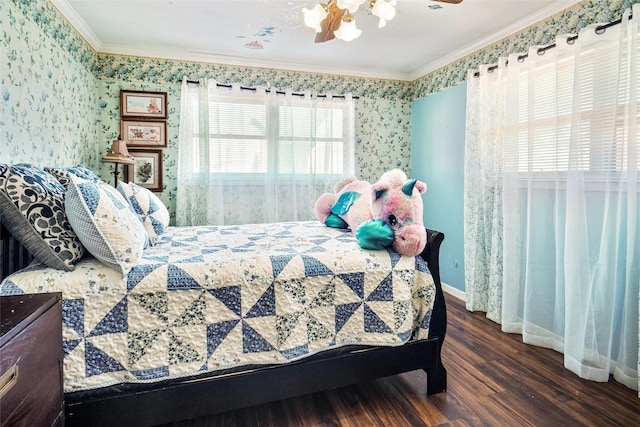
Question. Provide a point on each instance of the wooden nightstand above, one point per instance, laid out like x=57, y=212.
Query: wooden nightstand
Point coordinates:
x=31, y=360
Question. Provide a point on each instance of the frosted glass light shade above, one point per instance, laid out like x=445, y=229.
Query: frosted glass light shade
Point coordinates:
x=348, y=30
x=351, y=5
x=313, y=17
x=384, y=10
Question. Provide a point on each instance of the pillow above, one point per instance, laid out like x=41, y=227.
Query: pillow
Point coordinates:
x=32, y=208
x=105, y=223
x=151, y=211
x=63, y=174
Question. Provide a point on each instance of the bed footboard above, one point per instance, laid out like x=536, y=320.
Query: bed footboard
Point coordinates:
x=193, y=397
x=436, y=373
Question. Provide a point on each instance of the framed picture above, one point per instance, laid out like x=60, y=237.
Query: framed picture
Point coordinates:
x=151, y=105
x=143, y=133
x=146, y=171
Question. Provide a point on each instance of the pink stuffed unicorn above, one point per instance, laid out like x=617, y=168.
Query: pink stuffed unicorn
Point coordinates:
x=386, y=213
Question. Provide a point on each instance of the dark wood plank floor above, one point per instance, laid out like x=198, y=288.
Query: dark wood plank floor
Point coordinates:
x=494, y=380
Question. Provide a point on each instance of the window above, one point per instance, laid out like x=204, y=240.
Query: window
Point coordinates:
x=252, y=135
x=252, y=156
x=567, y=104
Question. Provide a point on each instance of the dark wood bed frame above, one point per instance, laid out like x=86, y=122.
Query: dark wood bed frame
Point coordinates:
x=196, y=396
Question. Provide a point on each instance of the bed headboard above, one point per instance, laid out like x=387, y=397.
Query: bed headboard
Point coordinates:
x=431, y=252
x=14, y=256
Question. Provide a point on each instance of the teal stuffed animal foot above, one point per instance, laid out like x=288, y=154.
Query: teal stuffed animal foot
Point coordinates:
x=374, y=234
x=335, y=221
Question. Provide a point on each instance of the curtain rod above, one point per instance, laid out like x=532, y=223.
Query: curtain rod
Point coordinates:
x=598, y=30
x=278, y=92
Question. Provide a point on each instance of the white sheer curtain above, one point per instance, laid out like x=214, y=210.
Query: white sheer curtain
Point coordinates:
x=252, y=156
x=567, y=204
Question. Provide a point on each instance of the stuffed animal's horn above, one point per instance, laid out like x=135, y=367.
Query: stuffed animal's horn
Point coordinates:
x=408, y=187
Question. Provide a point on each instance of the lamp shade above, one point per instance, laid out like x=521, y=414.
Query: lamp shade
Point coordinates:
x=118, y=153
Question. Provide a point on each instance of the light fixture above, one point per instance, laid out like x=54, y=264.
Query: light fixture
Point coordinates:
x=117, y=154
x=335, y=19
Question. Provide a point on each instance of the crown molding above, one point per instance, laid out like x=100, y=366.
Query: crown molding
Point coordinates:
x=81, y=27
x=212, y=58
x=483, y=43
x=78, y=23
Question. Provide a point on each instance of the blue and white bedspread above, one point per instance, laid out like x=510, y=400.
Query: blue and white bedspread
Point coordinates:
x=208, y=298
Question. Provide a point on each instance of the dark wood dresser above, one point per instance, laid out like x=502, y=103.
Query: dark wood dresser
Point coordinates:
x=31, y=360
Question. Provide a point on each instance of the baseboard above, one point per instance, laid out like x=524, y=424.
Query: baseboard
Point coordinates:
x=454, y=292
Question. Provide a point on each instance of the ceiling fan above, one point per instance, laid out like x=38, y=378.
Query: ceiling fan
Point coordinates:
x=335, y=18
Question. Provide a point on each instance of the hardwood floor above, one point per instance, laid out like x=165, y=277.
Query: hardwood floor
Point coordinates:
x=493, y=380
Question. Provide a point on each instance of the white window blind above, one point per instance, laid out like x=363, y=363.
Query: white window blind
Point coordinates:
x=253, y=136
x=314, y=135
x=573, y=102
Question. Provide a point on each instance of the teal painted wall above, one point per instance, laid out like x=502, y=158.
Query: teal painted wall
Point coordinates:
x=437, y=158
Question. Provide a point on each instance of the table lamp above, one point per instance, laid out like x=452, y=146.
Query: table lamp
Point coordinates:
x=117, y=154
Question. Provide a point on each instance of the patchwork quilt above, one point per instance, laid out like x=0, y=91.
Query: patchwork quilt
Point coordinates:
x=214, y=297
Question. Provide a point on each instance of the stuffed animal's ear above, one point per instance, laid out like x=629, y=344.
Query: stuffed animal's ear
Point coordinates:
x=378, y=189
x=421, y=186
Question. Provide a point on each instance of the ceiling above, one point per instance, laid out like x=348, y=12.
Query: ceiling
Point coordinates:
x=424, y=36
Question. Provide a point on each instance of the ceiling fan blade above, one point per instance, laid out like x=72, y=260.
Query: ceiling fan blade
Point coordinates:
x=330, y=24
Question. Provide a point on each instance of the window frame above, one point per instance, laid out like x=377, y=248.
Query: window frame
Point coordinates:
x=272, y=138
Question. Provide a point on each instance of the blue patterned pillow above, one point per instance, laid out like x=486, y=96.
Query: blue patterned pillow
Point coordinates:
x=32, y=208
x=149, y=208
x=105, y=223
x=63, y=175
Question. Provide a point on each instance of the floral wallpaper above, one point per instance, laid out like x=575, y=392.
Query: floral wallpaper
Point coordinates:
x=162, y=72
x=569, y=21
x=383, y=137
x=47, y=97
x=108, y=124
x=59, y=100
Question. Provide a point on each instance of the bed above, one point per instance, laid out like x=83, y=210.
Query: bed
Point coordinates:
x=214, y=318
